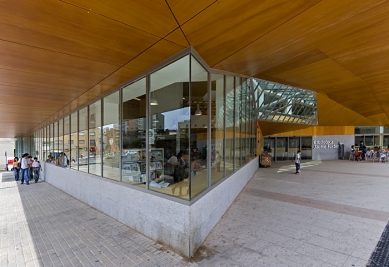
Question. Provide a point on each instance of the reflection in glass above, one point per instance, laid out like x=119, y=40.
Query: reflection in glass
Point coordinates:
x=66, y=140
x=306, y=147
x=60, y=144
x=169, y=130
x=199, y=161
x=56, y=143
x=294, y=146
x=230, y=111
x=111, y=149
x=282, y=148
x=74, y=149
x=94, y=154
x=237, y=119
x=83, y=140
x=134, y=133
x=217, y=122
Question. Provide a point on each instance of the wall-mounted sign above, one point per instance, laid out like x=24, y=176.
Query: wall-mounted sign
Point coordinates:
x=324, y=144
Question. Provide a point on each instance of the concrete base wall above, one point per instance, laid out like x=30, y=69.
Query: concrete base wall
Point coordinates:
x=181, y=227
x=325, y=147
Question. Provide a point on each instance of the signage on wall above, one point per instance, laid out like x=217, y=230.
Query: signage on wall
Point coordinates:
x=324, y=144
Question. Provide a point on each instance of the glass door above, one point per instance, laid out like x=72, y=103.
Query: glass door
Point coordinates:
x=294, y=146
x=282, y=148
x=268, y=146
x=306, y=147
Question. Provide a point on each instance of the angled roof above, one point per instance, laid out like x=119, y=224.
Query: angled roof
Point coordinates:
x=56, y=56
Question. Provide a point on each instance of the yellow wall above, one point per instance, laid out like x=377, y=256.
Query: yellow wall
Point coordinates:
x=320, y=130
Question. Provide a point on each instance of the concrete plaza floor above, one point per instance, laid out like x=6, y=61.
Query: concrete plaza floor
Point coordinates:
x=333, y=214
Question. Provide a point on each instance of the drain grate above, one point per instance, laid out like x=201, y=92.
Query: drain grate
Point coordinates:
x=380, y=256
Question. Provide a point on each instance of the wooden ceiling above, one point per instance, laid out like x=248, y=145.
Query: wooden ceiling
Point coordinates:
x=56, y=56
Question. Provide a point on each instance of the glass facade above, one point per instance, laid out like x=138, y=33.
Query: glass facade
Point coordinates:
x=179, y=129
x=285, y=148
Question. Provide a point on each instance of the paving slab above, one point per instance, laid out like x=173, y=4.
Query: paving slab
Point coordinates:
x=333, y=214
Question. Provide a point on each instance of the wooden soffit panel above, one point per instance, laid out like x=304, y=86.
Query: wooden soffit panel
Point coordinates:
x=41, y=61
x=227, y=26
x=185, y=10
x=154, y=55
x=270, y=128
x=331, y=113
x=119, y=77
x=153, y=16
x=66, y=28
x=323, y=23
x=178, y=37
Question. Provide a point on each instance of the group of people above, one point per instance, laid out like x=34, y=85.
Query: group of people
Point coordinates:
x=62, y=160
x=363, y=152
x=26, y=168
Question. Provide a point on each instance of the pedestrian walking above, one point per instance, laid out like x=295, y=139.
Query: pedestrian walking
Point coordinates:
x=36, y=165
x=24, y=164
x=16, y=168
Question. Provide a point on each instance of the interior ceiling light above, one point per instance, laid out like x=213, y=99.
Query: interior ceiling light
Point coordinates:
x=153, y=100
x=198, y=111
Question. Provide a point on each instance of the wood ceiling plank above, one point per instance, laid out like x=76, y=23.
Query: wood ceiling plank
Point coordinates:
x=379, y=119
x=120, y=76
x=99, y=90
x=228, y=26
x=177, y=37
x=153, y=16
x=154, y=55
x=43, y=82
x=35, y=60
x=323, y=23
x=68, y=29
x=185, y=10
x=331, y=74
x=329, y=114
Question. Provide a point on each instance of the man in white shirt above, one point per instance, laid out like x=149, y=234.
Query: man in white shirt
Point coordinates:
x=172, y=160
x=24, y=164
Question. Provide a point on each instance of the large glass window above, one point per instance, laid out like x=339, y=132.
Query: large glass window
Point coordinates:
x=199, y=129
x=282, y=148
x=56, y=143
x=111, y=137
x=95, y=138
x=74, y=148
x=83, y=140
x=60, y=144
x=217, y=123
x=294, y=146
x=134, y=132
x=66, y=141
x=169, y=129
x=199, y=119
x=230, y=123
x=237, y=119
x=306, y=147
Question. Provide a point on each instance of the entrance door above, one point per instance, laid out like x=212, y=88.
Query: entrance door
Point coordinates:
x=269, y=146
x=294, y=146
x=282, y=148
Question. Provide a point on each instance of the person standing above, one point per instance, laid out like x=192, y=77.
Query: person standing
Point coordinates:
x=30, y=170
x=36, y=165
x=16, y=168
x=24, y=164
x=297, y=161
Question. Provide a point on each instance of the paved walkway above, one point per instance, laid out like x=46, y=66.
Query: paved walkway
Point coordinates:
x=333, y=214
